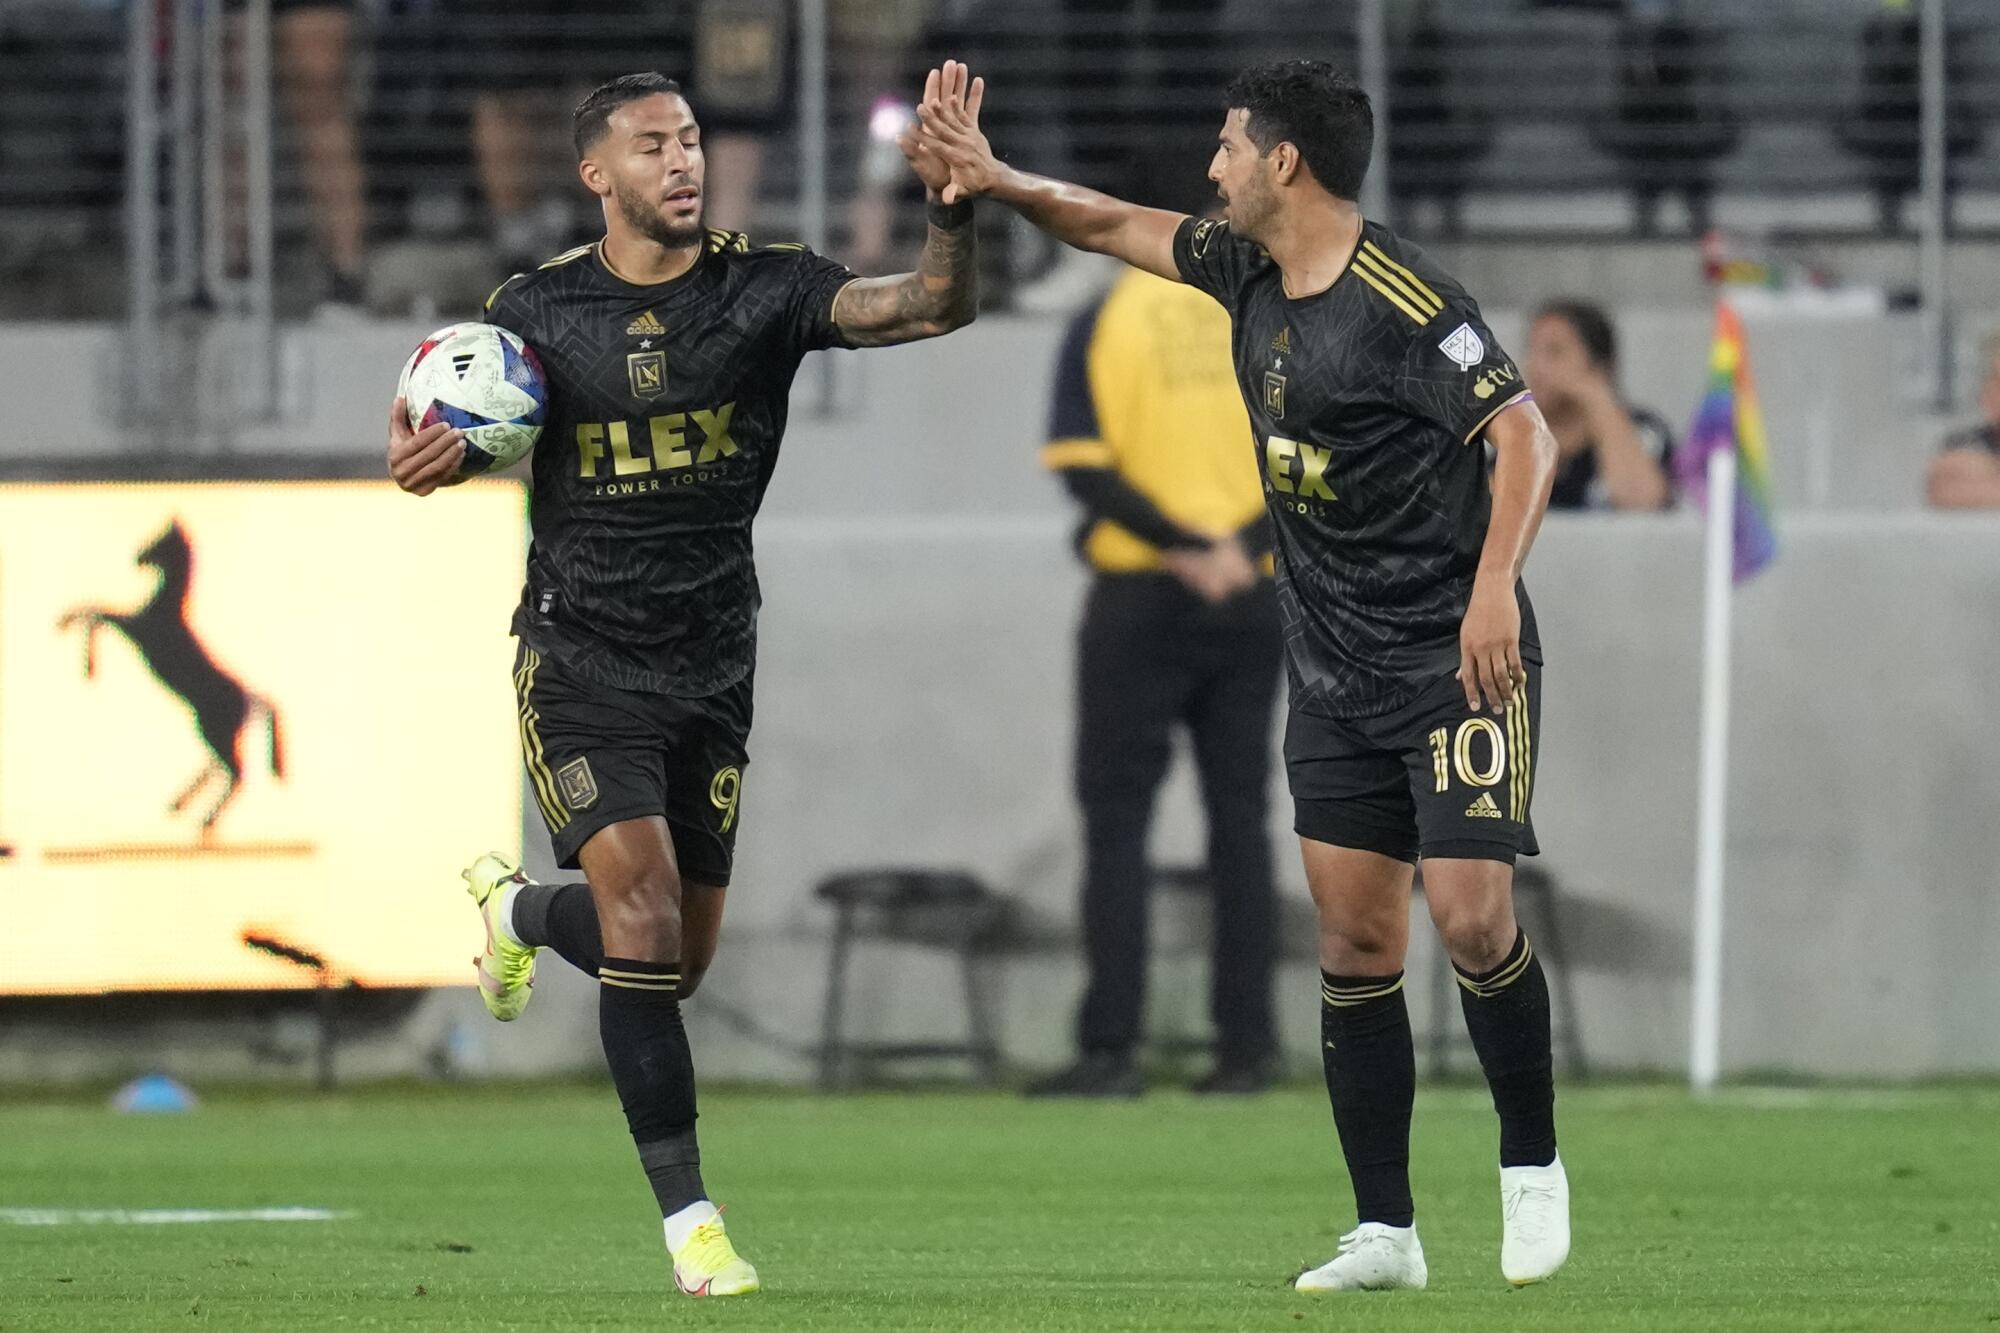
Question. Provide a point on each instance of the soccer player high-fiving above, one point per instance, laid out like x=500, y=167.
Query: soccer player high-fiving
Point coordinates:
x=1374, y=388
x=670, y=350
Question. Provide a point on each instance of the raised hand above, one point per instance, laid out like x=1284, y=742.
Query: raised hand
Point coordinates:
x=918, y=151
x=949, y=115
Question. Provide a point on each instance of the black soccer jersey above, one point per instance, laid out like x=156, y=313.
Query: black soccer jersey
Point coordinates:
x=666, y=408
x=1367, y=401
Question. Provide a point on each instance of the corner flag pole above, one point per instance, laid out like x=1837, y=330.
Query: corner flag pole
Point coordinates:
x=1705, y=1057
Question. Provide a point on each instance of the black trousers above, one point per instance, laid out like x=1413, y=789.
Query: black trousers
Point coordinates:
x=1151, y=656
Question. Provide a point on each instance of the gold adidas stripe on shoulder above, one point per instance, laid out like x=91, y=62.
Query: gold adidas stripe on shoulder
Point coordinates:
x=566, y=257
x=494, y=295
x=1398, y=291
x=1394, y=297
x=1381, y=256
x=720, y=240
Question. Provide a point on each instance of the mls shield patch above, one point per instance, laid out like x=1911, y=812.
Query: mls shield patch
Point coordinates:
x=578, y=783
x=1464, y=347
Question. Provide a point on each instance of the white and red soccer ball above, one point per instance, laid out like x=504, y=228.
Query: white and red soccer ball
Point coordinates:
x=483, y=380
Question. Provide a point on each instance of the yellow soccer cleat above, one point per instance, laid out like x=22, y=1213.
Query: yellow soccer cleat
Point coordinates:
x=708, y=1265
x=507, y=967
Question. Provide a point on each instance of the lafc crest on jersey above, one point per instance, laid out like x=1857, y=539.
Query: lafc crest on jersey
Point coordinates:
x=648, y=373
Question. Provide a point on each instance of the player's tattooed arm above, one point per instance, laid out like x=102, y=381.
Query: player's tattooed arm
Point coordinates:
x=1524, y=469
x=942, y=295
x=1086, y=219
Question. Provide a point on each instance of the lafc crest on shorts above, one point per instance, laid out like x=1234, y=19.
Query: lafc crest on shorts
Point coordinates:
x=578, y=783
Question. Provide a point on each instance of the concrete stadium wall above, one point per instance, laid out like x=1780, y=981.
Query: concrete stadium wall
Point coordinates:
x=913, y=706
x=1842, y=388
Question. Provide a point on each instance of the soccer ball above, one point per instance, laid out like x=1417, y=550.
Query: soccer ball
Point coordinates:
x=483, y=380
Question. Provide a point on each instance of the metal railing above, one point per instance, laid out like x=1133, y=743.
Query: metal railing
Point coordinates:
x=1666, y=114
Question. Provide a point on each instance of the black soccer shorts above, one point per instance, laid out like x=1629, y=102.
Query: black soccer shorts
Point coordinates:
x=1432, y=778
x=597, y=755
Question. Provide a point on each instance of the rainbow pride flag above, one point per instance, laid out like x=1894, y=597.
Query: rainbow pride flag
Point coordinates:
x=1728, y=419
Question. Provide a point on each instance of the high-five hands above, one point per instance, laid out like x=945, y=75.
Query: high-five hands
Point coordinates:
x=948, y=128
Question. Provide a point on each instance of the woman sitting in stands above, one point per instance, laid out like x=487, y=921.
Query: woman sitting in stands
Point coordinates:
x=1610, y=455
x=1966, y=475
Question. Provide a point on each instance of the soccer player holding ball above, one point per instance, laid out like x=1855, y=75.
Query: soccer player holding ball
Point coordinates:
x=669, y=351
x=1414, y=664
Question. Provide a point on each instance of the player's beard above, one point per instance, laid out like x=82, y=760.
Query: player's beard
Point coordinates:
x=643, y=216
x=1250, y=209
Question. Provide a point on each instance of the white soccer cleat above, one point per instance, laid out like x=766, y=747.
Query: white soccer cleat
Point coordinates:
x=1373, y=1257
x=1534, y=1216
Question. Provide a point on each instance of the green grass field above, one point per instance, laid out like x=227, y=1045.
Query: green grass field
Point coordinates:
x=522, y=1208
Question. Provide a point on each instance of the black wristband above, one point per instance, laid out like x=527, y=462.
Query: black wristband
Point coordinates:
x=948, y=217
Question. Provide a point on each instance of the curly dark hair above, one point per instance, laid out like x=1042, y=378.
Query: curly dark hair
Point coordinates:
x=1312, y=105
x=588, y=121
x=1592, y=326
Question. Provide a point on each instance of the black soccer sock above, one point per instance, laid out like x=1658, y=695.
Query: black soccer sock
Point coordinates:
x=1507, y=1013
x=561, y=917
x=639, y=1018
x=1371, y=1079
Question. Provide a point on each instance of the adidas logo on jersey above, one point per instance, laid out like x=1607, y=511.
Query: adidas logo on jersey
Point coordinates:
x=645, y=324
x=1483, y=808
x=1282, y=344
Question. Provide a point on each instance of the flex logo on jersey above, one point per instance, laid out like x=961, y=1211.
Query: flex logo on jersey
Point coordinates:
x=671, y=443
x=1492, y=381
x=1297, y=468
x=1202, y=235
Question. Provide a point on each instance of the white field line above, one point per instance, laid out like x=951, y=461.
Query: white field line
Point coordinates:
x=1740, y=1097
x=61, y=1217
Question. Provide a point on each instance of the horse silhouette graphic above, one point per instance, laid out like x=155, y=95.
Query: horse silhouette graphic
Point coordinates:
x=224, y=709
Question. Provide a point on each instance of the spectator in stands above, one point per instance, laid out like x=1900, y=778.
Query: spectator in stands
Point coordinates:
x=310, y=40
x=521, y=58
x=1439, y=137
x=1612, y=456
x=1668, y=123
x=1967, y=474
x=743, y=75
x=1131, y=82
x=734, y=56
x=1885, y=127
x=1180, y=630
x=876, y=46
